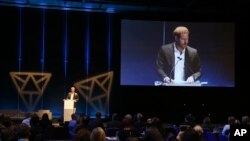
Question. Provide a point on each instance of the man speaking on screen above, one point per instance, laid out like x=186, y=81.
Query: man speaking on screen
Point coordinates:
x=177, y=62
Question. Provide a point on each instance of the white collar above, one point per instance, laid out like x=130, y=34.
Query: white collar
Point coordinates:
x=176, y=50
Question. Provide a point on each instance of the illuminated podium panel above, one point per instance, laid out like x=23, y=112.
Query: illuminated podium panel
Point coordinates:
x=184, y=83
x=68, y=109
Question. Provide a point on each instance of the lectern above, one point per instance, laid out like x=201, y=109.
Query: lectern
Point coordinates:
x=68, y=109
x=184, y=83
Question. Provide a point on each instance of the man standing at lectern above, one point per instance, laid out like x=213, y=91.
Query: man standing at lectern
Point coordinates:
x=72, y=95
x=177, y=62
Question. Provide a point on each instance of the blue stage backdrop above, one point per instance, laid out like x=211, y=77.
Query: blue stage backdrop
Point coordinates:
x=72, y=46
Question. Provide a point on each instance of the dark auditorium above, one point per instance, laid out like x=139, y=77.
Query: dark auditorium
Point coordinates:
x=124, y=70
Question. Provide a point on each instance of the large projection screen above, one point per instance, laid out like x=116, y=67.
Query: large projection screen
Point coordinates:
x=142, y=39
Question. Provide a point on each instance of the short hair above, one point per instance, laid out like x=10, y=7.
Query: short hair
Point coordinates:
x=180, y=30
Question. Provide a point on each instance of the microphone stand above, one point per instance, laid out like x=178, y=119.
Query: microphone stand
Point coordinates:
x=179, y=59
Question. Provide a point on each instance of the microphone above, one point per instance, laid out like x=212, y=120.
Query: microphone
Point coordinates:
x=179, y=59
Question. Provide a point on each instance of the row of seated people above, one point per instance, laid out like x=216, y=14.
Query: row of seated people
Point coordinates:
x=137, y=127
x=126, y=128
x=31, y=126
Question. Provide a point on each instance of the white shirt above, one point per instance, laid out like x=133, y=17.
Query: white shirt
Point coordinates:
x=179, y=73
x=71, y=96
x=225, y=129
x=27, y=121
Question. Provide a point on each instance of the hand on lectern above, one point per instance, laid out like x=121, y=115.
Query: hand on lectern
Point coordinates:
x=167, y=80
x=190, y=79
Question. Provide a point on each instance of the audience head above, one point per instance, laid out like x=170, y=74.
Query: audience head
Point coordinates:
x=179, y=136
x=115, y=116
x=149, y=122
x=45, y=116
x=73, y=117
x=23, y=131
x=153, y=134
x=85, y=120
x=245, y=120
x=198, y=129
x=98, y=115
x=231, y=120
x=34, y=121
x=139, y=117
x=156, y=122
x=190, y=135
x=98, y=134
x=189, y=118
x=127, y=120
x=128, y=116
x=207, y=120
x=83, y=135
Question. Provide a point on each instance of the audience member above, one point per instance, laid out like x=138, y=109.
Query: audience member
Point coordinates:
x=245, y=120
x=27, y=118
x=45, y=122
x=97, y=122
x=98, y=134
x=153, y=134
x=226, y=128
x=23, y=132
x=83, y=135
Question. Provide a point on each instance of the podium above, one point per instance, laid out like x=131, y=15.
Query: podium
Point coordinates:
x=68, y=109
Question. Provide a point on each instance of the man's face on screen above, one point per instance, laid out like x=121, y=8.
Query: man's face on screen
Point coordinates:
x=182, y=40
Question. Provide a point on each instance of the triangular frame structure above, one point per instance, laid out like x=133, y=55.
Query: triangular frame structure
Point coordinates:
x=104, y=82
x=21, y=79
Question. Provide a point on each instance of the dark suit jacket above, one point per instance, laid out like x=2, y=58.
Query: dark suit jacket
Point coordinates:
x=75, y=97
x=166, y=63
